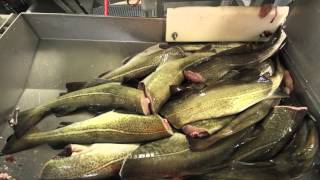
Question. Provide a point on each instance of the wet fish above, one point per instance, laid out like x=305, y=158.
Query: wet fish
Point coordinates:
x=87, y=162
x=157, y=85
x=299, y=156
x=214, y=47
x=172, y=158
x=215, y=67
x=263, y=70
x=247, y=118
x=110, y=95
x=253, y=171
x=144, y=63
x=110, y=127
x=277, y=129
x=206, y=127
x=223, y=100
x=291, y=162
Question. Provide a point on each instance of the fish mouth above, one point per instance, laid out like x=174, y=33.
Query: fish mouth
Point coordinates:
x=194, y=132
x=146, y=100
x=145, y=105
x=166, y=125
x=193, y=76
x=72, y=150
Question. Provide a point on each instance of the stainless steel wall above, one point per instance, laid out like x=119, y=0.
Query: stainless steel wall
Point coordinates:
x=303, y=51
x=81, y=27
x=17, y=48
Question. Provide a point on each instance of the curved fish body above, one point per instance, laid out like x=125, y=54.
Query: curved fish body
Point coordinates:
x=277, y=129
x=157, y=85
x=111, y=127
x=244, y=74
x=223, y=100
x=171, y=157
x=110, y=95
x=212, y=69
x=253, y=171
x=298, y=157
x=295, y=159
x=96, y=161
x=247, y=118
x=144, y=63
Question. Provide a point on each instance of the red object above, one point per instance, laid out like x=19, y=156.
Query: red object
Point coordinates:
x=106, y=7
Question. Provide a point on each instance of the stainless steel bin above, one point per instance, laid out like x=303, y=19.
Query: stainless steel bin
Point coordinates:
x=39, y=53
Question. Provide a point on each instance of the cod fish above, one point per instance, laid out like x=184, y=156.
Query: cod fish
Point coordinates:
x=110, y=127
x=143, y=63
x=87, y=162
x=300, y=154
x=295, y=159
x=102, y=97
x=171, y=157
x=277, y=128
x=212, y=69
x=157, y=85
x=226, y=99
x=247, y=118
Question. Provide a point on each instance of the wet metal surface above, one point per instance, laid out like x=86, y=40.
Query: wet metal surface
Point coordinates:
x=55, y=63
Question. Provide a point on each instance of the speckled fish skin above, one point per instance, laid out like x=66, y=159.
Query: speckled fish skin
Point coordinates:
x=157, y=85
x=144, y=63
x=299, y=156
x=98, y=161
x=247, y=118
x=110, y=95
x=223, y=100
x=172, y=157
x=295, y=159
x=111, y=127
x=278, y=128
x=213, y=68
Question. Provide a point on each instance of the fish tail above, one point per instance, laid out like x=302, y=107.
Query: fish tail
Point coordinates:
x=15, y=144
x=27, y=119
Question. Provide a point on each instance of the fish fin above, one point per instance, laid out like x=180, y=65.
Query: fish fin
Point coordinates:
x=96, y=82
x=165, y=45
x=74, y=86
x=195, y=132
x=103, y=74
x=96, y=109
x=56, y=146
x=278, y=95
x=131, y=82
x=64, y=123
x=232, y=74
x=62, y=110
x=63, y=93
x=126, y=60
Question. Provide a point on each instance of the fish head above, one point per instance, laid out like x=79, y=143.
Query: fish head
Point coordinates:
x=15, y=144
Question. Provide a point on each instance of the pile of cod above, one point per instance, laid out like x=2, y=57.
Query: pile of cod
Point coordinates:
x=180, y=111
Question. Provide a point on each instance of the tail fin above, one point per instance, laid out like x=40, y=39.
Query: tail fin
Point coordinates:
x=27, y=119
